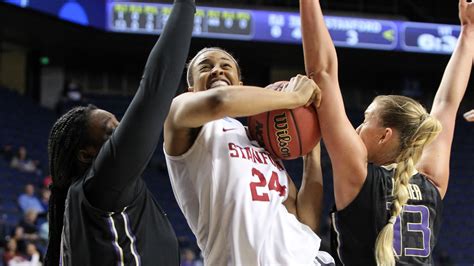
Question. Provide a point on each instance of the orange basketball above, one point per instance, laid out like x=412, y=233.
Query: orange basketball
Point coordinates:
x=286, y=134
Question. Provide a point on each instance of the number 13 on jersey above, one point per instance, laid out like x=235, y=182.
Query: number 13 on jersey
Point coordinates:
x=416, y=239
x=273, y=184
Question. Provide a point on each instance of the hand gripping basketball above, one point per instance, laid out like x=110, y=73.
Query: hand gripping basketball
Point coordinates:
x=289, y=134
x=307, y=91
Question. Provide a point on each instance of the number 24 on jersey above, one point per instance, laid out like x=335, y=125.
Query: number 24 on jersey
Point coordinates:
x=273, y=184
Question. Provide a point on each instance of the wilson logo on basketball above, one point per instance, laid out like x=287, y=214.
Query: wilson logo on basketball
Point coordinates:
x=281, y=126
x=286, y=133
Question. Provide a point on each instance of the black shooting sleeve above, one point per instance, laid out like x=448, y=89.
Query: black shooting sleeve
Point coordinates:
x=123, y=158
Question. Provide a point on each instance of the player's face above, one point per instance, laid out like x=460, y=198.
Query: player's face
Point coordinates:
x=214, y=69
x=101, y=126
x=371, y=131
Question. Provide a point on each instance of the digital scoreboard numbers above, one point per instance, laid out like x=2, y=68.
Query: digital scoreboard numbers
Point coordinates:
x=362, y=33
x=208, y=22
x=280, y=27
x=429, y=38
x=137, y=17
x=285, y=27
x=228, y=22
x=345, y=32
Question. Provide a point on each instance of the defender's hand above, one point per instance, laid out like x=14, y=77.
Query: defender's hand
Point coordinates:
x=469, y=116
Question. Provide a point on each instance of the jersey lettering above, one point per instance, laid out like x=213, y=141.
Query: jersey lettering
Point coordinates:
x=261, y=183
x=414, y=192
x=257, y=156
x=273, y=184
x=419, y=231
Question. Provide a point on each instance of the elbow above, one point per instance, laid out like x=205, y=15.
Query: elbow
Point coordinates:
x=194, y=111
x=322, y=76
x=218, y=102
x=318, y=67
x=321, y=73
x=445, y=101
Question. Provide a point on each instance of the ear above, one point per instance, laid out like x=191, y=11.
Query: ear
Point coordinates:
x=386, y=136
x=190, y=89
x=85, y=155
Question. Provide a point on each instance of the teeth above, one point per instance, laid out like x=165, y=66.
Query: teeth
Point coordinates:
x=218, y=83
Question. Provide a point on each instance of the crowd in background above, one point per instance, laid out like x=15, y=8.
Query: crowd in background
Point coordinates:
x=25, y=244
x=18, y=159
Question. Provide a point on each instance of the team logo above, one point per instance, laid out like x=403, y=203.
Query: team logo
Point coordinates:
x=280, y=123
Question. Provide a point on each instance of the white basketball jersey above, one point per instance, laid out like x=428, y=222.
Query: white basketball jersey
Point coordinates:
x=231, y=193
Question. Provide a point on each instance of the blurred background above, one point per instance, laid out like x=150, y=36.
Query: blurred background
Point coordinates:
x=55, y=54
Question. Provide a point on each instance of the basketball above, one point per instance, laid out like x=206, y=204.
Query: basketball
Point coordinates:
x=286, y=134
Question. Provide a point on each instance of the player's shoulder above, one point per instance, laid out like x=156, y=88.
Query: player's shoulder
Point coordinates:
x=426, y=184
x=231, y=120
x=182, y=96
x=226, y=122
x=383, y=172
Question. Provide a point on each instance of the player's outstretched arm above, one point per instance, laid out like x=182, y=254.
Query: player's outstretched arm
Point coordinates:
x=125, y=155
x=346, y=150
x=435, y=159
x=194, y=109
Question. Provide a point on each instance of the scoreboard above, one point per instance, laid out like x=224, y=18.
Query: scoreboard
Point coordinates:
x=285, y=27
x=362, y=33
x=208, y=22
x=149, y=17
x=429, y=38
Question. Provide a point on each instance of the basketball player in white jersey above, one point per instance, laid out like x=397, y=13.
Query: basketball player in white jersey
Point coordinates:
x=239, y=202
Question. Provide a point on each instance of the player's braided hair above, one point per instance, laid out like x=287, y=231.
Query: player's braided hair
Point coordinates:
x=189, y=74
x=417, y=129
x=68, y=135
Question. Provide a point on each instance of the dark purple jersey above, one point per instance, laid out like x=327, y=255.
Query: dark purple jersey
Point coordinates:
x=111, y=218
x=356, y=227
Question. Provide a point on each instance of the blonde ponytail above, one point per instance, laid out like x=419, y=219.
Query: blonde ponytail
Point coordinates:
x=384, y=253
x=417, y=129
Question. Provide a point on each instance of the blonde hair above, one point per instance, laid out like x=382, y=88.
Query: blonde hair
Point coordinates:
x=416, y=129
x=189, y=74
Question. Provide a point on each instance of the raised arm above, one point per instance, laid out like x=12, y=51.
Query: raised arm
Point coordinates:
x=194, y=109
x=435, y=159
x=125, y=155
x=346, y=150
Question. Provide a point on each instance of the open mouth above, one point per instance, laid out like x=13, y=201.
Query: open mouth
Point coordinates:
x=218, y=83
